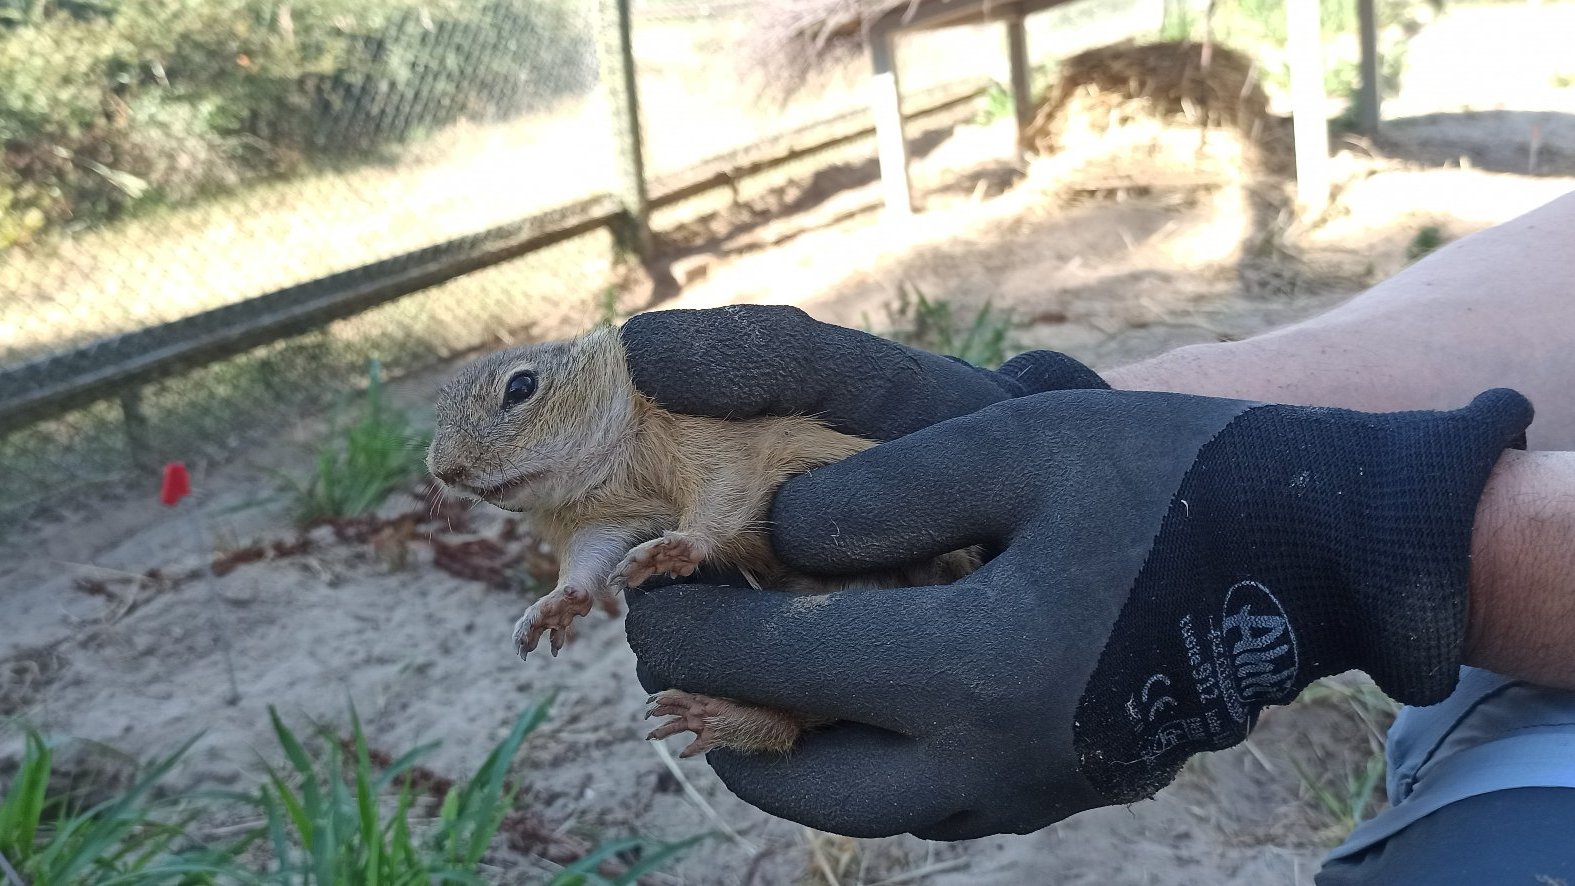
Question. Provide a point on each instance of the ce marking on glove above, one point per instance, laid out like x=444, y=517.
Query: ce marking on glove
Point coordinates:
x=1152, y=700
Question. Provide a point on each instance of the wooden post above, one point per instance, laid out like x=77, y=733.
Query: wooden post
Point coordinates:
x=886, y=103
x=1017, y=55
x=1371, y=97
x=1309, y=105
x=617, y=71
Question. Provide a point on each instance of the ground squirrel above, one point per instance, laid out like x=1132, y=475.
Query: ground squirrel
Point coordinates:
x=624, y=489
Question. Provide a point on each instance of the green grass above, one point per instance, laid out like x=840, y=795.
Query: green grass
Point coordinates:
x=1258, y=28
x=996, y=103
x=1177, y=20
x=653, y=856
x=1364, y=698
x=936, y=325
x=327, y=827
x=48, y=839
x=607, y=307
x=1426, y=240
x=1346, y=799
x=361, y=464
x=330, y=827
x=325, y=822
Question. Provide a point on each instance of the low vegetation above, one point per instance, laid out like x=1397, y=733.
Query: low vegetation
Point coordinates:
x=981, y=337
x=1345, y=799
x=1426, y=240
x=54, y=839
x=106, y=107
x=996, y=103
x=1259, y=29
x=1344, y=794
x=362, y=463
x=324, y=822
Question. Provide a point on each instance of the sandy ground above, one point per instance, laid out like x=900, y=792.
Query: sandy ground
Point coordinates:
x=1108, y=275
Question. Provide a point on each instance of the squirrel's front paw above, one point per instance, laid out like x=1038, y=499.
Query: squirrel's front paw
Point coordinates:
x=554, y=612
x=676, y=554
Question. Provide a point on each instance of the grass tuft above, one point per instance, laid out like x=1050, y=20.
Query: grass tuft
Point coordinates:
x=327, y=819
x=1346, y=801
x=50, y=839
x=359, y=466
x=934, y=325
x=1429, y=238
x=330, y=827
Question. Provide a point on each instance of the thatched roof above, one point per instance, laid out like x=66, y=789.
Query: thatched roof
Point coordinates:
x=791, y=40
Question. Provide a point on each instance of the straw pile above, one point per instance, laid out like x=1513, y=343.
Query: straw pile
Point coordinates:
x=1129, y=101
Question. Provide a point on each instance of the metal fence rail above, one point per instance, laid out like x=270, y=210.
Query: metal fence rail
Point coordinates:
x=213, y=228
x=49, y=386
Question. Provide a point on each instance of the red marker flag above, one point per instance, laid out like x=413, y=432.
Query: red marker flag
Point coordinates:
x=177, y=484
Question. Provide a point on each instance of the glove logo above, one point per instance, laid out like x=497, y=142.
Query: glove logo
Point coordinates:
x=1257, y=637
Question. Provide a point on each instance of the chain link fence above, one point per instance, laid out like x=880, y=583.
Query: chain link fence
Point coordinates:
x=188, y=177
x=215, y=213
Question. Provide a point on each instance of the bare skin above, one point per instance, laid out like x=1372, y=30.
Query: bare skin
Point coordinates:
x=1496, y=309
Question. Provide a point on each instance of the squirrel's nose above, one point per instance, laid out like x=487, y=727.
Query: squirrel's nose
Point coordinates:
x=452, y=476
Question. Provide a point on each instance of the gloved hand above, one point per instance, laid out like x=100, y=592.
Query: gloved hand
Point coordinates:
x=1161, y=568
x=749, y=360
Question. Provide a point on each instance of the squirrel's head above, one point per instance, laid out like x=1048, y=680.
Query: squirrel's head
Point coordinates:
x=533, y=426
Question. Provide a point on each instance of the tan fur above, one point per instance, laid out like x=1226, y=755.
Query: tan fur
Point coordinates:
x=618, y=485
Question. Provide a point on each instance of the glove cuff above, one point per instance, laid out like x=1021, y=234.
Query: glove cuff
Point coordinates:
x=1301, y=543
x=1409, y=573
x=1357, y=529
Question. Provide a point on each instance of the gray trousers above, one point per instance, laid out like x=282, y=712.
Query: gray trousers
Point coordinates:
x=1483, y=793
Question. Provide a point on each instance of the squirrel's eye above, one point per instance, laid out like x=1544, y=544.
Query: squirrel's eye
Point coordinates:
x=519, y=388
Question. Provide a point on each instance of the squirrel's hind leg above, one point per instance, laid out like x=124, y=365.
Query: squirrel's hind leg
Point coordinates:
x=724, y=723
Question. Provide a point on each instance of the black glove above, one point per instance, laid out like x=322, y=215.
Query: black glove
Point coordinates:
x=749, y=360
x=1163, y=567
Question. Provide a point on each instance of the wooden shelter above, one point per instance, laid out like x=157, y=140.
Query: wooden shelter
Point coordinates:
x=808, y=26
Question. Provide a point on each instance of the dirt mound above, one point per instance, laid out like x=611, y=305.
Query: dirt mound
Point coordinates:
x=1159, y=112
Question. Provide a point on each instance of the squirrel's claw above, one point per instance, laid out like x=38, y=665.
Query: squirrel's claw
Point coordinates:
x=527, y=631
x=674, y=554
x=689, y=713
x=553, y=613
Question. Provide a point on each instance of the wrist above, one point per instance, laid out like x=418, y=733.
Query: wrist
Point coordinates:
x=1393, y=523
x=1521, y=611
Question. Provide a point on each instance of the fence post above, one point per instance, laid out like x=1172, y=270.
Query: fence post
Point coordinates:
x=1308, y=106
x=886, y=103
x=135, y=424
x=1371, y=95
x=616, y=52
x=1021, y=73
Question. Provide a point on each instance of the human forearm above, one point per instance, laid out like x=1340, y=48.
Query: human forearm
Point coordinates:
x=1522, y=603
x=1496, y=309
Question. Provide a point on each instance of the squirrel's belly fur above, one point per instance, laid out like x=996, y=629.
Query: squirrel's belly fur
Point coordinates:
x=680, y=466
